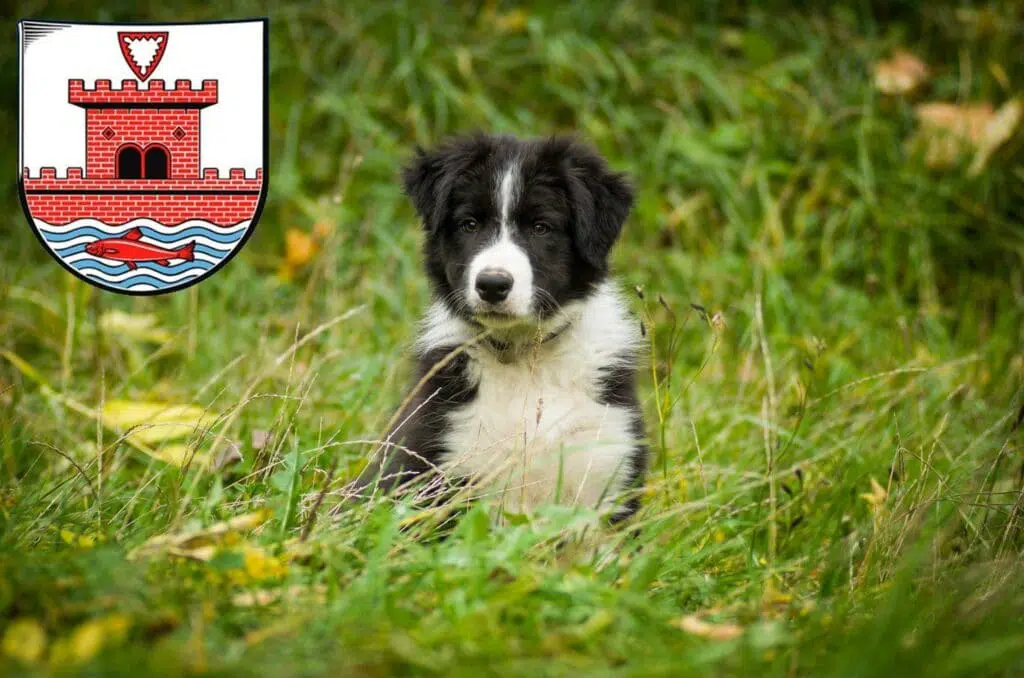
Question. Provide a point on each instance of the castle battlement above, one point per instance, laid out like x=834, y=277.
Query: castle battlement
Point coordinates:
x=103, y=95
x=211, y=179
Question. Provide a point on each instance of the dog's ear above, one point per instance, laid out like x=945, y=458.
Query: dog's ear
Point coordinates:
x=422, y=181
x=602, y=199
x=429, y=176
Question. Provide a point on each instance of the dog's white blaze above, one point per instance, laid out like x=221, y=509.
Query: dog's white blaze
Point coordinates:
x=507, y=189
x=504, y=253
x=535, y=432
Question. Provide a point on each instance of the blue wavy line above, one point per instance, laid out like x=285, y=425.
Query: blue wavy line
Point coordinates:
x=223, y=238
x=92, y=265
x=143, y=280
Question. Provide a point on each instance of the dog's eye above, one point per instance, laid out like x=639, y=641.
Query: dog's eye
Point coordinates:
x=541, y=228
x=469, y=225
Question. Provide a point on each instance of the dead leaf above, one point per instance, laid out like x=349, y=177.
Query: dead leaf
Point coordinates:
x=948, y=131
x=148, y=423
x=299, y=248
x=876, y=497
x=25, y=640
x=260, y=439
x=89, y=638
x=902, y=73
x=134, y=325
x=200, y=544
x=316, y=594
x=511, y=22
x=322, y=229
x=997, y=131
x=695, y=625
x=154, y=422
x=231, y=454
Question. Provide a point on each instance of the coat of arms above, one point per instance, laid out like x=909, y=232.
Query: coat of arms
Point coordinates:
x=143, y=148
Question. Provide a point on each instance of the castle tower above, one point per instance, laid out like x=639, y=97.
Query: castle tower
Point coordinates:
x=134, y=133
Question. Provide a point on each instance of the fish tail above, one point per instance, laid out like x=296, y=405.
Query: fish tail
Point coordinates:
x=186, y=252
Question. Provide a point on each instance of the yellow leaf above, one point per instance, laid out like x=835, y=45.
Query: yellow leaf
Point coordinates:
x=156, y=422
x=949, y=130
x=876, y=497
x=25, y=640
x=200, y=544
x=511, y=22
x=299, y=248
x=322, y=229
x=89, y=638
x=464, y=61
x=259, y=565
x=134, y=325
x=900, y=74
x=997, y=131
x=698, y=627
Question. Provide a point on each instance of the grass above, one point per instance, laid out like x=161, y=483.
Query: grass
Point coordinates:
x=834, y=393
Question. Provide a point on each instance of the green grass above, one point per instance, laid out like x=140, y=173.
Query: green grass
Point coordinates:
x=864, y=318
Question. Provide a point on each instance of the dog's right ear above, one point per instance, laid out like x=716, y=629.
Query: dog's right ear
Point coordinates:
x=422, y=180
x=430, y=175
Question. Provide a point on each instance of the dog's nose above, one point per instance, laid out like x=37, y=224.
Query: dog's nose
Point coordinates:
x=493, y=285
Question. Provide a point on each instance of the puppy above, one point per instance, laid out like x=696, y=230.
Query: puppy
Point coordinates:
x=525, y=380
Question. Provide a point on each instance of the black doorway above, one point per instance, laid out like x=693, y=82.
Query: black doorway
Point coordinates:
x=156, y=163
x=129, y=163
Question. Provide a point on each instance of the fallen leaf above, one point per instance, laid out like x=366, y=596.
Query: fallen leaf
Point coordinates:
x=322, y=229
x=299, y=248
x=260, y=439
x=25, y=640
x=902, y=73
x=259, y=565
x=89, y=638
x=876, y=497
x=698, y=627
x=948, y=131
x=154, y=422
x=231, y=454
x=997, y=131
x=200, y=544
x=511, y=22
x=464, y=61
x=134, y=325
x=297, y=593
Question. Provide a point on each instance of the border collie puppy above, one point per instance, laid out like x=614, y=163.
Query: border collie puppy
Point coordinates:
x=526, y=361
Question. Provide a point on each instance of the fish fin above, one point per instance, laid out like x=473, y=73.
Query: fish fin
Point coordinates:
x=164, y=262
x=134, y=234
x=186, y=252
x=131, y=265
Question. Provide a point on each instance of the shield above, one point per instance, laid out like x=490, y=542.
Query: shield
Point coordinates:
x=143, y=148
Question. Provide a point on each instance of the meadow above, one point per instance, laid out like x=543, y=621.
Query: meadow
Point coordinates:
x=834, y=391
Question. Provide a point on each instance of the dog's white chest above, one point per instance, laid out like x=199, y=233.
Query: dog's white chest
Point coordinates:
x=535, y=433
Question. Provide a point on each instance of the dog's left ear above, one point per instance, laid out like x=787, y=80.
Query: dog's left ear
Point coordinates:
x=602, y=199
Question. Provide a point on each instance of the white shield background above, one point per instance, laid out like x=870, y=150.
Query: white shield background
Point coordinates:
x=233, y=135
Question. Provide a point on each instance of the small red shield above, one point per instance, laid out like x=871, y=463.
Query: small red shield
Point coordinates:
x=142, y=51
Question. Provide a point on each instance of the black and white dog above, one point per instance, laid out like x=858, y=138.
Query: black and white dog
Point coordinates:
x=526, y=360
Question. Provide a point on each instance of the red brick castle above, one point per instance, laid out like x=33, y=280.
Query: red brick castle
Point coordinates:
x=142, y=161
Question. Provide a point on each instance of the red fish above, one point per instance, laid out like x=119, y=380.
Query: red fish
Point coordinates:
x=129, y=249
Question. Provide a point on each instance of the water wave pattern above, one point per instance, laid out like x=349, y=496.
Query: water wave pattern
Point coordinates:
x=212, y=245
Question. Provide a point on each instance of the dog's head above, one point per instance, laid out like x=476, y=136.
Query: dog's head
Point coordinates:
x=515, y=229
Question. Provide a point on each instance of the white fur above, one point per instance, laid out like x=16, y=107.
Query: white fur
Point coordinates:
x=504, y=254
x=533, y=415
